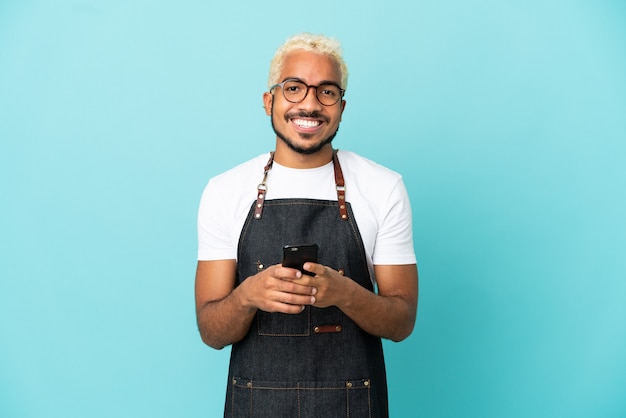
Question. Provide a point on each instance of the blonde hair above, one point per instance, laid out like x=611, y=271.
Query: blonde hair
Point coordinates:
x=319, y=44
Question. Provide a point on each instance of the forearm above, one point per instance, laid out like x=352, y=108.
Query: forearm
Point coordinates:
x=391, y=316
x=225, y=321
x=225, y=311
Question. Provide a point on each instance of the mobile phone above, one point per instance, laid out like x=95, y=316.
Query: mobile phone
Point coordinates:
x=294, y=256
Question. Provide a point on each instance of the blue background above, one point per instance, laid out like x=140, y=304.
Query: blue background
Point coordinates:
x=506, y=119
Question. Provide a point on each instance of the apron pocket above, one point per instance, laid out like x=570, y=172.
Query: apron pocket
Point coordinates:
x=253, y=398
x=284, y=325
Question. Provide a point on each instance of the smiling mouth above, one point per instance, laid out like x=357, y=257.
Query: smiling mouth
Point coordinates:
x=306, y=123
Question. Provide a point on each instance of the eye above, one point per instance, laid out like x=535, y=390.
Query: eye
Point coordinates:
x=293, y=87
x=328, y=90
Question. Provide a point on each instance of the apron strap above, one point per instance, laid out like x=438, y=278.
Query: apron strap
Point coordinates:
x=339, y=184
x=262, y=188
x=341, y=187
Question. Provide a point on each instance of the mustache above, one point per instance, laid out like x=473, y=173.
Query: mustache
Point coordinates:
x=303, y=114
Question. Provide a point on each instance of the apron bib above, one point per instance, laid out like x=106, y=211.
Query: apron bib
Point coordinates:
x=318, y=363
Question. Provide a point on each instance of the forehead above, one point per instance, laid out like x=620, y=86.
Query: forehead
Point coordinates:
x=310, y=67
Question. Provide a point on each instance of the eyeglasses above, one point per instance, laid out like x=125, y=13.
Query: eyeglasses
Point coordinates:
x=296, y=91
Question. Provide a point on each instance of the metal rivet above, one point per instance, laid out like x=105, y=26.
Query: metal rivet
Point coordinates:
x=316, y=330
x=249, y=384
x=344, y=216
x=341, y=271
x=338, y=328
x=348, y=384
x=261, y=196
x=258, y=215
x=366, y=383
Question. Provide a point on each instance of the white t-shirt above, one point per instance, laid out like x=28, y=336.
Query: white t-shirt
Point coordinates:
x=377, y=195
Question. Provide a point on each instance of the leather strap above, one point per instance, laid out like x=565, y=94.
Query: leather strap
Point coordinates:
x=341, y=187
x=323, y=329
x=339, y=184
x=262, y=188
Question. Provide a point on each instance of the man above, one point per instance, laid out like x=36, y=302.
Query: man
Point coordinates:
x=306, y=345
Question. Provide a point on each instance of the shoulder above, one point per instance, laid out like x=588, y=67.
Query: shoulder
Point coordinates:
x=367, y=174
x=353, y=160
x=381, y=208
x=224, y=203
x=237, y=185
x=241, y=177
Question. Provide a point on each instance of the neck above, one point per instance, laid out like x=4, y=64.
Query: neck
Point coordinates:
x=287, y=157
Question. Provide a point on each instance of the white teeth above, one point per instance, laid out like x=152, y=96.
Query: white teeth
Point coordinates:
x=303, y=123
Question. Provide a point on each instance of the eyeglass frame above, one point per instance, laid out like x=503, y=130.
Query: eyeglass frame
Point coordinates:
x=308, y=87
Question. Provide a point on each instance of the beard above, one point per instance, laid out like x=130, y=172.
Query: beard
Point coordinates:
x=292, y=144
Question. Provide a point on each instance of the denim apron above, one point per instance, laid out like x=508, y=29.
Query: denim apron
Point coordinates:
x=318, y=363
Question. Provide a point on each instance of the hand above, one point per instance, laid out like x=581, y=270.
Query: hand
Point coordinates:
x=332, y=287
x=277, y=289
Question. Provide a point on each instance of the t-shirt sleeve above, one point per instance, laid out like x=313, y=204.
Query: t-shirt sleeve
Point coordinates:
x=394, y=241
x=214, y=235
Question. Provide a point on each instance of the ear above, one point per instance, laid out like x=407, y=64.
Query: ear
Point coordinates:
x=343, y=107
x=268, y=98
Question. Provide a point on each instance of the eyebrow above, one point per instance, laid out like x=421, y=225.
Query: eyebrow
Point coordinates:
x=334, y=83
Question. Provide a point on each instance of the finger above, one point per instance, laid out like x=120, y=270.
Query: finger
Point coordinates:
x=287, y=308
x=291, y=304
x=295, y=298
x=313, y=267
x=288, y=273
x=296, y=288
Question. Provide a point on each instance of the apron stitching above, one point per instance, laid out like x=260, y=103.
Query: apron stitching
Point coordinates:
x=251, y=406
x=298, y=396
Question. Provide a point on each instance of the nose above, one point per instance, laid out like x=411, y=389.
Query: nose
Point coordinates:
x=310, y=100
